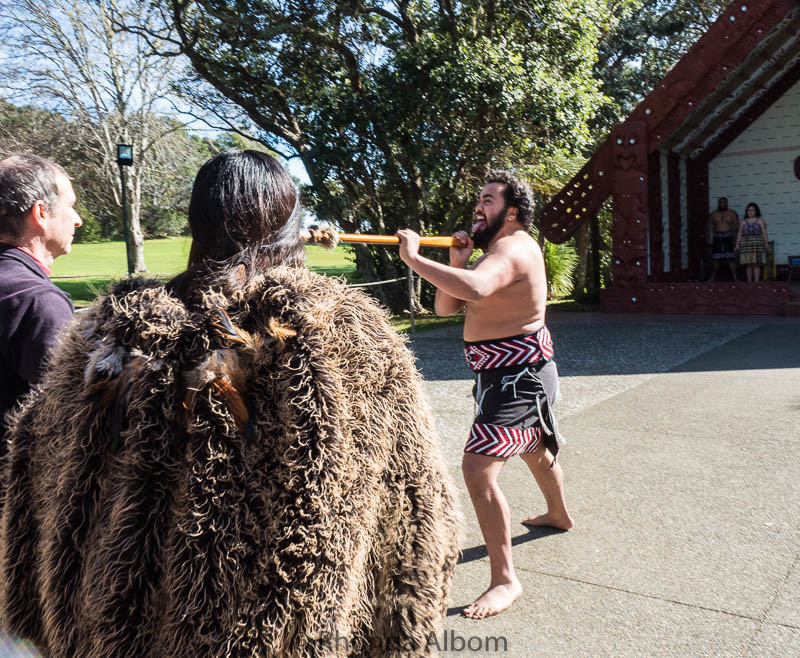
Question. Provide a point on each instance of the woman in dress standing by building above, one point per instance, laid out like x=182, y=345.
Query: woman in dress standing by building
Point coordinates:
x=751, y=242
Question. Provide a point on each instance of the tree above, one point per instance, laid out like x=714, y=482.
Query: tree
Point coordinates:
x=395, y=109
x=35, y=130
x=646, y=39
x=173, y=165
x=66, y=55
x=166, y=189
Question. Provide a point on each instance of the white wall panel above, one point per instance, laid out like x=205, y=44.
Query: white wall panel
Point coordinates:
x=758, y=166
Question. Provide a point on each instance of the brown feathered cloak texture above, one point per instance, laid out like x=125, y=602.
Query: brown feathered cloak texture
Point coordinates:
x=150, y=511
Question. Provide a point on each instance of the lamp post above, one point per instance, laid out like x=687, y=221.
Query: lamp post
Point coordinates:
x=125, y=159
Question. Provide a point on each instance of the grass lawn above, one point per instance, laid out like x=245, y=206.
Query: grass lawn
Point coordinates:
x=106, y=260
x=402, y=323
x=89, y=268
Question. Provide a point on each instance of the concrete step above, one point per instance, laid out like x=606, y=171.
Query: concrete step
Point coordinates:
x=792, y=309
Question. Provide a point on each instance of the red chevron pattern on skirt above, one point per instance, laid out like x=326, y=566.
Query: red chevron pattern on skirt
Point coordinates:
x=497, y=441
x=517, y=350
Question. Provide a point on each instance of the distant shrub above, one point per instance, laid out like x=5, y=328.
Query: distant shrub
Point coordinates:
x=90, y=230
x=560, y=261
x=164, y=223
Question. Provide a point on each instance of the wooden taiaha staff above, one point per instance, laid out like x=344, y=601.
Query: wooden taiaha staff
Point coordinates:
x=330, y=238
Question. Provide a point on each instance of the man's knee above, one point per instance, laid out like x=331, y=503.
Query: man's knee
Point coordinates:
x=540, y=455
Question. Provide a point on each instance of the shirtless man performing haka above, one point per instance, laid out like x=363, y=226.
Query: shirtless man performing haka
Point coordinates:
x=723, y=223
x=510, y=350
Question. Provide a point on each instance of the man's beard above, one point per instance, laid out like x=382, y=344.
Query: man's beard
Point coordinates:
x=482, y=237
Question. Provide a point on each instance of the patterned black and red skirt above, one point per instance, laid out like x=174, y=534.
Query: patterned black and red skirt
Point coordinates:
x=516, y=386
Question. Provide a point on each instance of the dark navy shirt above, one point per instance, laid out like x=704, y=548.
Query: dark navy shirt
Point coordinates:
x=32, y=312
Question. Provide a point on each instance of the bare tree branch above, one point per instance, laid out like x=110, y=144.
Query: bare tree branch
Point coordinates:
x=70, y=53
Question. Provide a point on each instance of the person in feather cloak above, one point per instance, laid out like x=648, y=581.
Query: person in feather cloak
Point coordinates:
x=236, y=463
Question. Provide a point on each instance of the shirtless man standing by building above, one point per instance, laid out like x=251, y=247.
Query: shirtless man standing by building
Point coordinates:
x=510, y=350
x=723, y=223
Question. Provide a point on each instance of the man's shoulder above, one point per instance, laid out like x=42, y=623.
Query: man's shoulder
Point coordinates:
x=518, y=244
x=15, y=275
x=38, y=296
x=16, y=263
x=12, y=257
x=27, y=287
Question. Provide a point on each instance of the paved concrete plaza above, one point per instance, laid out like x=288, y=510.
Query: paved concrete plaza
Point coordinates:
x=683, y=475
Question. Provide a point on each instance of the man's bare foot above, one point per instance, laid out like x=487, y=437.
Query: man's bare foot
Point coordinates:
x=494, y=600
x=550, y=520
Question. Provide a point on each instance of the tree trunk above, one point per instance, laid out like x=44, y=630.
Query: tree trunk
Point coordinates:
x=136, y=243
x=137, y=237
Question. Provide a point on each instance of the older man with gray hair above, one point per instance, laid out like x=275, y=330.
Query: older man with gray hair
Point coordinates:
x=37, y=225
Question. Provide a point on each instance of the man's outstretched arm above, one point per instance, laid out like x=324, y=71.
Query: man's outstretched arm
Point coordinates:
x=494, y=271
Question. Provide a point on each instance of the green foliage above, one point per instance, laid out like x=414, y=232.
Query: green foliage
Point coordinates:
x=164, y=222
x=172, y=165
x=646, y=39
x=84, y=291
x=28, y=128
x=90, y=230
x=606, y=221
x=560, y=261
x=397, y=111
x=231, y=140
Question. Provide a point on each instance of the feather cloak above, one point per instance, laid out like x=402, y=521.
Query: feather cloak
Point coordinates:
x=254, y=474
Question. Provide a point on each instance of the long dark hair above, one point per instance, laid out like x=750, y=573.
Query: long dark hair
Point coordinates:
x=244, y=210
x=754, y=205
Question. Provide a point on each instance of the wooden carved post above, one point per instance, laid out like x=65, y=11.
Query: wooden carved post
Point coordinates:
x=629, y=231
x=595, y=257
x=698, y=217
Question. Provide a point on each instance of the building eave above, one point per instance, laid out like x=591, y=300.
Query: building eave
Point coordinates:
x=753, y=47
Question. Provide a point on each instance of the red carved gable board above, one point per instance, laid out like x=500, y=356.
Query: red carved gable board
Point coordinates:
x=680, y=95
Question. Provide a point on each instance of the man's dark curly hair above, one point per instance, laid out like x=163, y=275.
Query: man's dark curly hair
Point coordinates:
x=516, y=194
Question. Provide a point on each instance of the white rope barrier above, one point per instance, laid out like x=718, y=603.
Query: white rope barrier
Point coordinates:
x=374, y=283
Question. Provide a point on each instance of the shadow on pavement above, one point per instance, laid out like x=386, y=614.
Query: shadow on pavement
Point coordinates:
x=479, y=552
x=457, y=610
x=595, y=344
x=766, y=348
